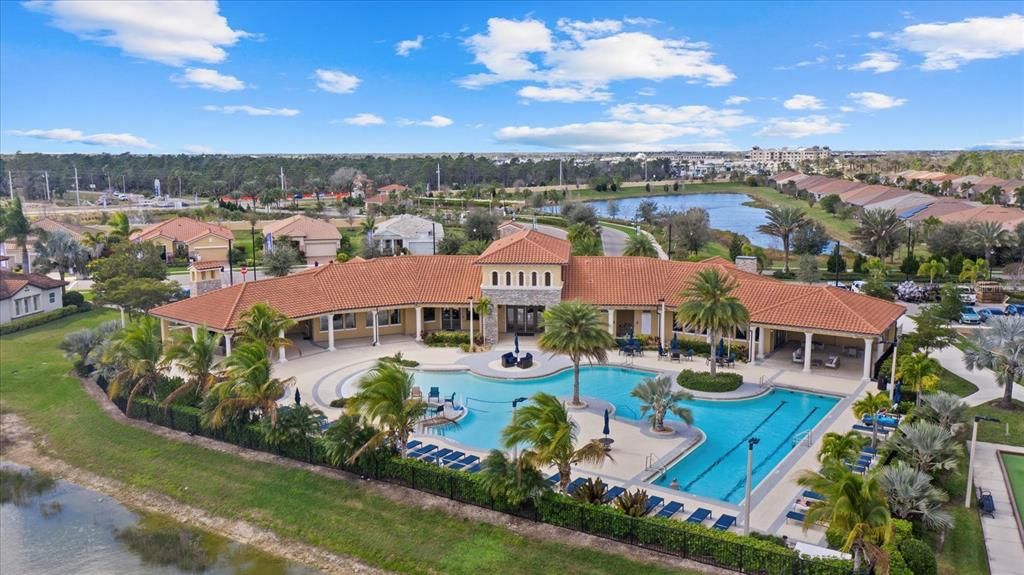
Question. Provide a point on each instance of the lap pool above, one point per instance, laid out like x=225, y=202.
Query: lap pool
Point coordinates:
x=715, y=469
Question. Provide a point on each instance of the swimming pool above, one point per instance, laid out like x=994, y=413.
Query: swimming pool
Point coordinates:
x=716, y=469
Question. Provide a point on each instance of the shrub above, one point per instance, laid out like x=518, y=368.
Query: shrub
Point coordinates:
x=74, y=298
x=702, y=348
x=700, y=381
x=397, y=358
x=918, y=556
x=447, y=339
x=782, y=275
x=338, y=403
x=38, y=319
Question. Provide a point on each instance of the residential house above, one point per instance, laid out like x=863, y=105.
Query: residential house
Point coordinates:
x=318, y=241
x=188, y=238
x=407, y=234
x=24, y=295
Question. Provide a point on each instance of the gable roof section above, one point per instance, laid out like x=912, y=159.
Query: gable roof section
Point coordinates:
x=11, y=283
x=301, y=226
x=50, y=225
x=182, y=229
x=409, y=226
x=526, y=247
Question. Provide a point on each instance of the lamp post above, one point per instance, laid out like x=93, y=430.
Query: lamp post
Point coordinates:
x=910, y=247
x=252, y=224
x=970, y=461
x=750, y=468
x=470, y=324
x=515, y=448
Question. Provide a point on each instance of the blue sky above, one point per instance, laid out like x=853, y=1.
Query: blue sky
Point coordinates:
x=266, y=77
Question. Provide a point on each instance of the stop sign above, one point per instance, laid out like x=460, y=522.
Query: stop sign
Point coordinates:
x=244, y=271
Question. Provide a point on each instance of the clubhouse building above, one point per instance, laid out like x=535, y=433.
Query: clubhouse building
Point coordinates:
x=527, y=271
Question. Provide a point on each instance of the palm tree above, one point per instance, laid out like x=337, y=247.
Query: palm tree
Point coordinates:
x=366, y=228
x=483, y=308
x=928, y=447
x=989, y=235
x=296, y=424
x=94, y=242
x=870, y=405
x=510, y=481
x=920, y=372
x=657, y=396
x=265, y=325
x=545, y=426
x=840, y=447
x=592, y=492
x=783, y=222
x=880, y=231
x=248, y=386
x=943, y=409
x=194, y=355
x=1001, y=349
x=80, y=345
x=385, y=401
x=17, y=226
x=344, y=437
x=710, y=307
x=932, y=269
x=853, y=504
x=912, y=496
x=974, y=269
x=640, y=245
x=137, y=349
x=572, y=328
x=59, y=251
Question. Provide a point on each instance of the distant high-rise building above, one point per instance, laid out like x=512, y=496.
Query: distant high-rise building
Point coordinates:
x=791, y=155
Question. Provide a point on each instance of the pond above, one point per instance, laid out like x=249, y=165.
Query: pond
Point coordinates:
x=727, y=212
x=52, y=527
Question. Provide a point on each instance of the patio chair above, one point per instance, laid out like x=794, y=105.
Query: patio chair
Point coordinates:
x=699, y=515
x=434, y=395
x=451, y=399
x=670, y=509
x=413, y=444
x=652, y=504
x=833, y=362
x=420, y=452
x=674, y=355
x=553, y=479
x=795, y=516
x=798, y=355
x=453, y=457
x=985, y=503
x=689, y=354
x=464, y=462
x=869, y=449
x=526, y=361
x=814, y=495
x=576, y=484
x=437, y=455
x=661, y=352
x=508, y=359
x=724, y=522
x=612, y=493
x=473, y=468
x=731, y=360
x=417, y=393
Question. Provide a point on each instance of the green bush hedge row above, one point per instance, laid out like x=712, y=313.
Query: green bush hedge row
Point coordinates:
x=40, y=318
x=702, y=348
x=447, y=339
x=701, y=381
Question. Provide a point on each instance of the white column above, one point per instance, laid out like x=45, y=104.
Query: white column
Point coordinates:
x=807, y=351
x=280, y=351
x=470, y=324
x=195, y=331
x=123, y=324
x=661, y=326
x=750, y=343
x=867, y=359
x=760, y=343
x=419, y=323
x=330, y=332
x=611, y=322
x=376, y=329
x=227, y=344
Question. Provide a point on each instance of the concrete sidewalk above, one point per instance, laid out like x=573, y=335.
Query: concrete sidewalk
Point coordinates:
x=1002, y=536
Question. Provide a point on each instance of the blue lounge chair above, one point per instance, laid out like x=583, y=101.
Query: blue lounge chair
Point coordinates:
x=795, y=516
x=699, y=515
x=724, y=522
x=612, y=493
x=422, y=451
x=576, y=484
x=867, y=429
x=473, y=468
x=413, y=444
x=652, y=503
x=453, y=457
x=437, y=454
x=813, y=495
x=553, y=479
x=670, y=509
x=464, y=462
x=870, y=450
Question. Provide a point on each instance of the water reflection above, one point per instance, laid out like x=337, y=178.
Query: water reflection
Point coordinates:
x=52, y=527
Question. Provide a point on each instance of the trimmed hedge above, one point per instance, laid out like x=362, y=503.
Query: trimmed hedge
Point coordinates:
x=447, y=339
x=701, y=381
x=702, y=348
x=39, y=319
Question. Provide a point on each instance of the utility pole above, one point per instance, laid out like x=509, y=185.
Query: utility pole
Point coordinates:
x=559, y=172
x=439, y=177
x=179, y=187
x=124, y=187
x=78, y=197
x=10, y=183
x=282, y=179
x=46, y=176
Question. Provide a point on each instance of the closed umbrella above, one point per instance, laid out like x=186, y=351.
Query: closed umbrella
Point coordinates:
x=516, y=351
x=720, y=352
x=606, y=429
x=897, y=392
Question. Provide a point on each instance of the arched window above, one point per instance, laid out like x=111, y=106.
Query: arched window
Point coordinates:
x=494, y=278
x=508, y=278
x=533, y=279
x=522, y=279
x=547, y=279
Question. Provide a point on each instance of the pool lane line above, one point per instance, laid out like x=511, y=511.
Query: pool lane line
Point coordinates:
x=785, y=440
x=735, y=447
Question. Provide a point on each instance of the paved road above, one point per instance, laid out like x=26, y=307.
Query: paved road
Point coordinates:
x=614, y=241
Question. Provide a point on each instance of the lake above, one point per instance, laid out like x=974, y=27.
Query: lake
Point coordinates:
x=727, y=212
x=56, y=527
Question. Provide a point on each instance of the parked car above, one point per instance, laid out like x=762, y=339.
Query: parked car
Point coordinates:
x=968, y=316
x=1015, y=309
x=967, y=295
x=858, y=286
x=989, y=312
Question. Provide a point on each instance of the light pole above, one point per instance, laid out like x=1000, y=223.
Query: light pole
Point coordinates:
x=750, y=468
x=470, y=324
x=515, y=403
x=970, y=461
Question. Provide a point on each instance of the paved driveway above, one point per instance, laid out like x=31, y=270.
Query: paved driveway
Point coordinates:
x=614, y=241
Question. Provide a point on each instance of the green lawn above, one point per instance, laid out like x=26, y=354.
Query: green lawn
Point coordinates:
x=838, y=228
x=953, y=383
x=1014, y=465
x=997, y=432
x=585, y=194
x=338, y=516
x=963, y=552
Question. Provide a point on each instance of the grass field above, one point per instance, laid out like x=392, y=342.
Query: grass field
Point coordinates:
x=338, y=516
x=1014, y=465
x=1008, y=419
x=838, y=228
x=963, y=552
x=953, y=383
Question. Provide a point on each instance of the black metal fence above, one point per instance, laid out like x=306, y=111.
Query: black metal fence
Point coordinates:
x=697, y=543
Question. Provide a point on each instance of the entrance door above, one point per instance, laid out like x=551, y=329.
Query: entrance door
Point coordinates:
x=645, y=323
x=523, y=320
x=451, y=319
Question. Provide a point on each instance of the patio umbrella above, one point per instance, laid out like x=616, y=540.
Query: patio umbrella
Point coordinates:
x=606, y=430
x=897, y=392
x=298, y=397
x=516, y=351
x=720, y=352
x=675, y=343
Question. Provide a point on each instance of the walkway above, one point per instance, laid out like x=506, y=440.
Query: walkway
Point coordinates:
x=1002, y=537
x=614, y=241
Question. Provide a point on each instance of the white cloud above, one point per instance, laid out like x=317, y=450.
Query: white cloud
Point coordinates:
x=208, y=79
x=947, y=46
x=564, y=94
x=806, y=63
x=252, y=110
x=876, y=35
x=70, y=136
x=1015, y=143
x=800, y=127
x=335, y=81
x=591, y=54
x=364, y=120
x=198, y=149
x=434, y=122
x=173, y=33
x=404, y=47
x=646, y=92
x=736, y=100
x=846, y=109
x=596, y=136
x=705, y=121
x=876, y=101
x=803, y=102
x=878, y=62
x=640, y=21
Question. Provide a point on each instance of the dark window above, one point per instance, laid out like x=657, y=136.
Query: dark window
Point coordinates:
x=494, y=278
x=430, y=313
x=533, y=279
x=508, y=278
x=522, y=279
x=547, y=279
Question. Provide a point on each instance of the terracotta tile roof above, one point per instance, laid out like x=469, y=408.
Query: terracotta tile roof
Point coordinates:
x=943, y=206
x=861, y=196
x=1008, y=217
x=11, y=283
x=393, y=188
x=208, y=265
x=300, y=226
x=526, y=247
x=182, y=229
x=50, y=225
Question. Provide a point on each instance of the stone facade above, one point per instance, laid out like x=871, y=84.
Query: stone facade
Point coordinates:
x=747, y=264
x=512, y=296
x=203, y=286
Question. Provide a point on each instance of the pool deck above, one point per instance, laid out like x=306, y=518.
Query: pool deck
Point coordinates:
x=637, y=452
